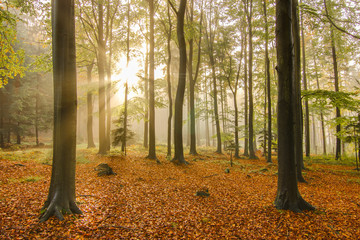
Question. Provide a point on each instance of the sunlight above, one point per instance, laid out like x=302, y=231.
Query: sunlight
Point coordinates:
x=128, y=74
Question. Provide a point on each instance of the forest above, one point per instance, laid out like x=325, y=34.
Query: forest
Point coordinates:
x=179, y=119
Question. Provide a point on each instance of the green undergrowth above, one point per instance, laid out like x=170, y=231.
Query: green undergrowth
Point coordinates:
x=329, y=160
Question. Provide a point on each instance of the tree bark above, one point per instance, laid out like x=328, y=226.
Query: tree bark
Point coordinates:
x=251, y=101
x=246, y=102
x=168, y=75
x=101, y=70
x=90, y=136
x=152, y=152
x=307, y=119
x=179, y=100
x=297, y=93
x=336, y=76
x=61, y=197
x=210, y=41
x=268, y=87
x=321, y=112
x=288, y=196
x=146, y=91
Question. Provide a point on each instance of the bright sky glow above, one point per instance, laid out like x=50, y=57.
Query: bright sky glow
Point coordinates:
x=128, y=74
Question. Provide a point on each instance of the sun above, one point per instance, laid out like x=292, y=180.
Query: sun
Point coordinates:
x=127, y=74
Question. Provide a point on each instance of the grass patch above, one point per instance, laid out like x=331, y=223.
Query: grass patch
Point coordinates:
x=26, y=179
x=353, y=180
x=330, y=160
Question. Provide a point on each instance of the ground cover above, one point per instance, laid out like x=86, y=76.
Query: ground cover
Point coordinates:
x=146, y=200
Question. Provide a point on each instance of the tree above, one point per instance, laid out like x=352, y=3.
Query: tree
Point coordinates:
x=297, y=93
x=268, y=86
x=101, y=69
x=90, y=136
x=307, y=118
x=192, y=79
x=287, y=196
x=179, y=99
x=210, y=37
x=61, y=197
x=152, y=152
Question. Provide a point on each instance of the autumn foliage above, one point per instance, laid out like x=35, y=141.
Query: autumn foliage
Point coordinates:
x=146, y=200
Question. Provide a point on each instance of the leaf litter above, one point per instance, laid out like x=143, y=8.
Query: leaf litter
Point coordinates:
x=146, y=200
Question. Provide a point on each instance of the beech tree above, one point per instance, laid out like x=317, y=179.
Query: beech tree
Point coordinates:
x=61, y=197
x=288, y=196
x=179, y=99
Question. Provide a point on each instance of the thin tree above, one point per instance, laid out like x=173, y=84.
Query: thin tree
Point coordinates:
x=249, y=12
x=123, y=143
x=89, y=100
x=307, y=118
x=321, y=112
x=152, y=152
x=192, y=80
x=268, y=86
x=210, y=45
x=297, y=93
x=336, y=83
x=288, y=196
x=101, y=69
x=61, y=197
x=179, y=99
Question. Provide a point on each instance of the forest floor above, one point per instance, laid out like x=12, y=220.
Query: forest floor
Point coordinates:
x=146, y=200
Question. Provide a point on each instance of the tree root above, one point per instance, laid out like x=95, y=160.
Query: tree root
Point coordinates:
x=54, y=209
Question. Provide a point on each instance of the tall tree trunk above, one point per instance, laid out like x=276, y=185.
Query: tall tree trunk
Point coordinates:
x=288, y=196
x=168, y=75
x=179, y=100
x=307, y=119
x=37, y=110
x=90, y=136
x=146, y=91
x=251, y=101
x=152, y=153
x=123, y=145
x=268, y=86
x=18, y=135
x=210, y=42
x=101, y=70
x=297, y=93
x=192, y=87
x=207, y=129
x=336, y=76
x=321, y=112
x=61, y=197
x=246, y=102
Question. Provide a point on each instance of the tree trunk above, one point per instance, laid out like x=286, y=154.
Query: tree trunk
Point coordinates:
x=321, y=112
x=179, y=100
x=61, y=197
x=168, y=75
x=251, y=101
x=307, y=119
x=297, y=93
x=192, y=88
x=207, y=129
x=146, y=91
x=288, y=196
x=268, y=86
x=246, y=102
x=336, y=76
x=123, y=144
x=90, y=136
x=152, y=153
x=101, y=70
x=37, y=110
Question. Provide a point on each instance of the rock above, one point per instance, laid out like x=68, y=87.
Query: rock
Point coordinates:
x=203, y=193
x=104, y=170
x=227, y=170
